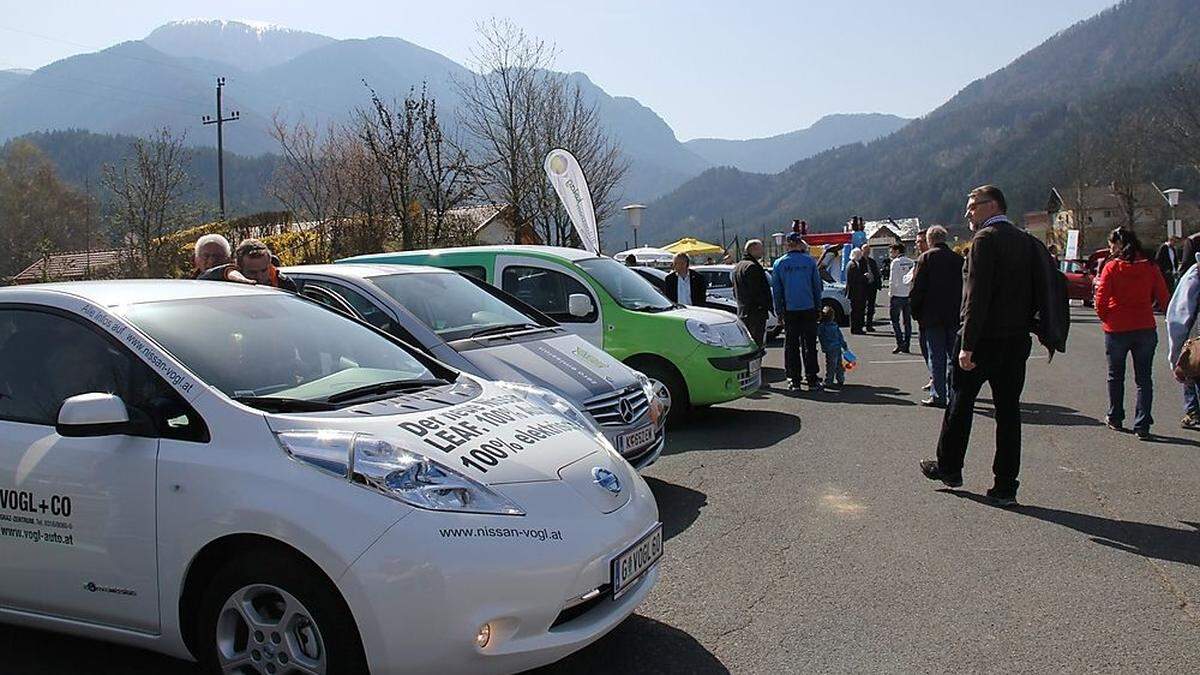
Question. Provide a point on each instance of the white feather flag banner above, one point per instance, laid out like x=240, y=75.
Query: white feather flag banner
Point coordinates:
x=567, y=178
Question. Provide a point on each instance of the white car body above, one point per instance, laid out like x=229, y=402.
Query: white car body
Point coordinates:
x=720, y=284
x=130, y=525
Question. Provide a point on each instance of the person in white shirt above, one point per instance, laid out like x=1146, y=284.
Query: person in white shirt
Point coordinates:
x=685, y=286
x=899, y=285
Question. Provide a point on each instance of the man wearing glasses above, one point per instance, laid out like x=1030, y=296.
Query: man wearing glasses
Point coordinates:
x=993, y=344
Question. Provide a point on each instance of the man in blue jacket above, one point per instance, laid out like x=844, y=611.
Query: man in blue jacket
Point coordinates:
x=797, y=286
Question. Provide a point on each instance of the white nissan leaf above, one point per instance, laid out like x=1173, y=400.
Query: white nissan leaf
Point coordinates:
x=239, y=476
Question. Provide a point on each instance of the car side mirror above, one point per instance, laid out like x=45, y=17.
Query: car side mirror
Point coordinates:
x=92, y=415
x=579, y=305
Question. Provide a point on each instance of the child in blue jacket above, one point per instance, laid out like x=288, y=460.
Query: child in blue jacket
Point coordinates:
x=832, y=343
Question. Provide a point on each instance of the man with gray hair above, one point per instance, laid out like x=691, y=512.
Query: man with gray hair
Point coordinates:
x=935, y=297
x=752, y=289
x=211, y=250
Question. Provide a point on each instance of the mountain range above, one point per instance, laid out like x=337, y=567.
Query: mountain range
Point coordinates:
x=168, y=79
x=776, y=153
x=1015, y=128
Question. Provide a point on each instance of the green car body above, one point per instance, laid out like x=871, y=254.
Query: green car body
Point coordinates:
x=660, y=341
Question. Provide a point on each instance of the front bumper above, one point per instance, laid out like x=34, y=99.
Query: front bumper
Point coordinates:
x=717, y=375
x=422, y=591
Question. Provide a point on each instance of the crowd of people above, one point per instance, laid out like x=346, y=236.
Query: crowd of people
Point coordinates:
x=975, y=318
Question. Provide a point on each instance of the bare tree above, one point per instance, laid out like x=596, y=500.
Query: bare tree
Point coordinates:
x=501, y=106
x=1125, y=156
x=306, y=180
x=1182, y=116
x=391, y=134
x=516, y=110
x=569, y=121
x=445, y=177
x=149, y=190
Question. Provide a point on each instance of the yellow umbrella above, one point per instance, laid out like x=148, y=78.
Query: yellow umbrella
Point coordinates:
x=692, y=246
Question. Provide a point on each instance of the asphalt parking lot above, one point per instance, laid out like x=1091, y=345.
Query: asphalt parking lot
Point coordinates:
x=801, y=537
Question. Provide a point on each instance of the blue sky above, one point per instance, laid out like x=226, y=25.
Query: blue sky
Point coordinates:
x=725, y=69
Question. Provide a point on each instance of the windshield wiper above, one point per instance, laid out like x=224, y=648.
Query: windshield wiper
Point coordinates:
x=493, y=330
x=283, y=405
x=647, y=307
x=388, y=387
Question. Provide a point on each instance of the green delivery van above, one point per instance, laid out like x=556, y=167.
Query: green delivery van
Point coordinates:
x=702, y=356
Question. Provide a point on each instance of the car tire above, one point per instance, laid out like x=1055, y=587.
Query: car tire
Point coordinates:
x=671, y=379
x=271, y=610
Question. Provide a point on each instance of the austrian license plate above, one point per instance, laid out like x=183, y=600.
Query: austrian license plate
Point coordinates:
x=633, y=563
x=636, y=439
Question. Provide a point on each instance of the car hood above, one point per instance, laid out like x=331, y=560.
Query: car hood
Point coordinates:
x=704, y=315
x=504, y=434
x=564, y=364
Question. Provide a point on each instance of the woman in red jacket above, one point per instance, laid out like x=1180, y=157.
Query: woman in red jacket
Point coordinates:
x=1131, y=287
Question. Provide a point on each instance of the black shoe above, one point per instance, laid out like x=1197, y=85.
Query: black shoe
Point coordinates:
x=1190, y=421
x=897, y=350
x=794, y=386
x=905, y=351
x=1114, y=425
x=815, y=386
x=856, y=332
x=933, y=402
x=1143, y=434
x=929, y=467
x=1002, y=498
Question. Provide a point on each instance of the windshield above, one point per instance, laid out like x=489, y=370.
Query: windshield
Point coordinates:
x=279, y=346
x=627, y=287
x=452, y=306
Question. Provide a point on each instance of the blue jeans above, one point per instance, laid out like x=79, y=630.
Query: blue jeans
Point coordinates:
x=1118, y=346
x=1191, y=399
x=939, y=345
x=835, y=372
x=899, y=309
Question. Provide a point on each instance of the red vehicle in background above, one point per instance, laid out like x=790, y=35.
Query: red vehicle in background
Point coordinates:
x=1083, y=275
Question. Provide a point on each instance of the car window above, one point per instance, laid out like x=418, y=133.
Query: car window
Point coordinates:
x=718, y=279
x=546, y=290
x=452, y=306
x=274, y=345
x=625, y=286
x=366, y=308
x=47, y=358
x=476, y=271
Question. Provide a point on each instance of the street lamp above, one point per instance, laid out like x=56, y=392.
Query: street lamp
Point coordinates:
x=1174, y=227
x=778, y=239
x=635, y=219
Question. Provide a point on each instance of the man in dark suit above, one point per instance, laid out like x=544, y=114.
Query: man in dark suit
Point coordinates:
x=936, y=297
x=684, y=286
x=752, y=290
x=999, y=301
x=874, y=284
x=1168, y=259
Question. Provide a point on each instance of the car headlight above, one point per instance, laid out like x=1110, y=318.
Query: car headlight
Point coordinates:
x=401, y=474
x=656, y=404
x=704, y=333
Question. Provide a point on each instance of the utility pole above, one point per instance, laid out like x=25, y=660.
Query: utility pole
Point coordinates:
x=220, y=121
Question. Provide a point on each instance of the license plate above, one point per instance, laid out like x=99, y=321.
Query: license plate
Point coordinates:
x=636, y=559
x=754, y=367
x=636, y=439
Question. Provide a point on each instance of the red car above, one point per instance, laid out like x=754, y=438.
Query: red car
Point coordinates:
x=1083, y=275
x=1080, y=279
